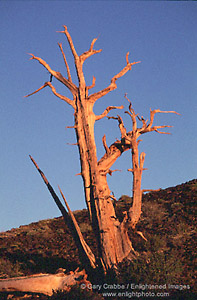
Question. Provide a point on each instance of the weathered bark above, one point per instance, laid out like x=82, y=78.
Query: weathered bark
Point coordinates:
x=43, y=283
x=113, y=242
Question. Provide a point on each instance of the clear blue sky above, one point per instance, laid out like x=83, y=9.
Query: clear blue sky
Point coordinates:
x=159, y=34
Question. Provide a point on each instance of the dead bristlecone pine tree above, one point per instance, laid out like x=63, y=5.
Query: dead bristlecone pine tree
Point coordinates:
x=113, y=242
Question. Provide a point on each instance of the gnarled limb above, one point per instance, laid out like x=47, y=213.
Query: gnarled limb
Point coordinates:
x=145, y=127
x=107, y=110
x=115, y=151
x=70, y=85
x=141, y=234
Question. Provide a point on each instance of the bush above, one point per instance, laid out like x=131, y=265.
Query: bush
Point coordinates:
x=76, y=293
x=8, y=269
x=155, y=268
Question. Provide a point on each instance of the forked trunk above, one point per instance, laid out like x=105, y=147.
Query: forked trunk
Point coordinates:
x=112, y=239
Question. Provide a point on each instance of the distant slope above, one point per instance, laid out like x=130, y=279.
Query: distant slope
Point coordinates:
x=167, y=221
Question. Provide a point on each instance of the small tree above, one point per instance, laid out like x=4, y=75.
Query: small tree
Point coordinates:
x=113, y=242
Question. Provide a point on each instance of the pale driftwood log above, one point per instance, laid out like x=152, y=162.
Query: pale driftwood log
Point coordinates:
x=43, y=283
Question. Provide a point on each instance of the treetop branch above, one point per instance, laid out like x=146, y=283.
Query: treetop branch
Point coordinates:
x=66, y=64
x=125, y=69
x=70, y=42
x=90, y=52
x=94, y=97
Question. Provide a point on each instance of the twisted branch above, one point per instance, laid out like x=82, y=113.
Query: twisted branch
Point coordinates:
x=107, y=110
x=145, y=128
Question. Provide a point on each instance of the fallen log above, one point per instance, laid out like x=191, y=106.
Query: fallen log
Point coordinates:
x=43, y=283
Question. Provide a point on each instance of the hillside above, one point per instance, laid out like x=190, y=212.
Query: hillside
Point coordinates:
x=167, y=222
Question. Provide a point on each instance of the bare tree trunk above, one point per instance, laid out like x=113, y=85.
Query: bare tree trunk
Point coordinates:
x=135, y=211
